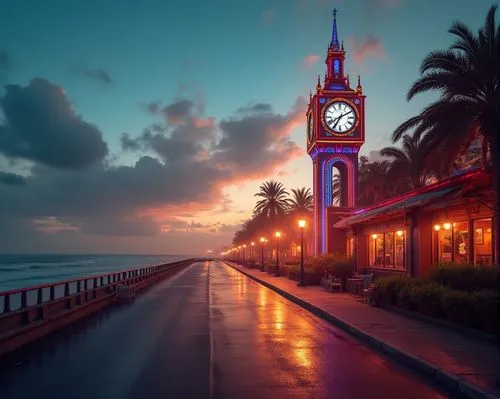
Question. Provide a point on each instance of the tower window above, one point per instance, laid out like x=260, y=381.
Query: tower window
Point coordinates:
x=336, y=67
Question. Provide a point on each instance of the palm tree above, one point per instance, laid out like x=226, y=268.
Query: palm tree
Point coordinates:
x=336, y=190
x=374, y=183
x=467, y=75
x=274, y=199
x=409, y=164
x=302, y=201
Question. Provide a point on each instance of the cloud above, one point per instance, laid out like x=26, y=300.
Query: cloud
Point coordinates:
x=176, y=111
x=154, y=107
x=310, y=60
x=363, y=49
x=74, y=198
x=41, y=126
x=258, y=143
x=12, y=179
x=268, y=16
x=255, y=108
x=129, y=144
x=99, y=75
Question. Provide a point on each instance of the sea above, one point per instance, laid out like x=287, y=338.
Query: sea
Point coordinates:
x=21, y=271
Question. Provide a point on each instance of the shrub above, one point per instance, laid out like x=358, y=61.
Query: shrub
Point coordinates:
x=466, y=278
x=427, y=298
x=388, y=288
x=486, y=307
x=405, y=295
x=457, y=306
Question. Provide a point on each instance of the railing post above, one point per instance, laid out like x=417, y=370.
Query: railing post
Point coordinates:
x=85, y=287
x=52, y=292
x=66, y=295
x=39, y=299
x=94, y=295
x=6, y=303
x=24, y=300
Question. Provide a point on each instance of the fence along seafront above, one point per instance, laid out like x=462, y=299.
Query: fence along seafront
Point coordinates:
x=27, y=314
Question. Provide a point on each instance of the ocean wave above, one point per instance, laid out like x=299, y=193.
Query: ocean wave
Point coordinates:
x=62, y=264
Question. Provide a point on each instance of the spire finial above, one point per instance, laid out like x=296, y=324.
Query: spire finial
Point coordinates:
x=318, y=86
x=335, y=37
x=359, y=89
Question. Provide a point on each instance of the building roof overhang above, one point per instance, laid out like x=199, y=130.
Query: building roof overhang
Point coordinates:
x=466, y=185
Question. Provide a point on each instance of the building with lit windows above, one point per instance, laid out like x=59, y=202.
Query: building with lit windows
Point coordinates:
x=450, y=221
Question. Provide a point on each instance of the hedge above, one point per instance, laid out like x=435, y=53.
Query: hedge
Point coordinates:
x=461, y=296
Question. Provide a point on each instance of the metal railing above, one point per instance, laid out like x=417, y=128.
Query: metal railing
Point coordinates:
x=85, y=288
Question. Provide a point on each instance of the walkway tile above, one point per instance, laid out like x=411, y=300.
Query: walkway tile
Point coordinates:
x=477, y=362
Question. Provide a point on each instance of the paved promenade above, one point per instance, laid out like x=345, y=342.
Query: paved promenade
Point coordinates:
x=466, y=360
x=208, y=332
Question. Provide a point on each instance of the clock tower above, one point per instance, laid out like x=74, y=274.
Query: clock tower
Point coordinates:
x=335, y=133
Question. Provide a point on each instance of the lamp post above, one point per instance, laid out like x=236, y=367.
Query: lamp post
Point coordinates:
x=244, y=246
x=302, y=225
x=277, y=235
x=239, y=247
x=262, y=241
x=251, y=251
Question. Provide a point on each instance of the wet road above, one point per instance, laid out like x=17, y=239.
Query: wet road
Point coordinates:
x=208, y=332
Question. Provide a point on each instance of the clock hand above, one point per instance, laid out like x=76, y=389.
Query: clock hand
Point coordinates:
x=339, y=118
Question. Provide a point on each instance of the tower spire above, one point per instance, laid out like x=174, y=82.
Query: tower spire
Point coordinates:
x=335, y=36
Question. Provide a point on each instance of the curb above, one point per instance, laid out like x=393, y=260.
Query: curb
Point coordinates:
x=445, y=379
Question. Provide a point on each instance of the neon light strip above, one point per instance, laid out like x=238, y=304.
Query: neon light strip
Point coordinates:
x=326, y=191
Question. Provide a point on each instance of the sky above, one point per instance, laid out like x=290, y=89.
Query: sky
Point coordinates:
x=146, y=127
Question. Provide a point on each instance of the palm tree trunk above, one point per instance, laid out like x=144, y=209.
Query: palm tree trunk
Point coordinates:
x=495, y=163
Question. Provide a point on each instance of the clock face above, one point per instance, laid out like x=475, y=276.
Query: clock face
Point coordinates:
x=310, y=125
x=340, y=117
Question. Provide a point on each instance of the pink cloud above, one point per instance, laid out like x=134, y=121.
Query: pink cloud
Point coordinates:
x=362, y=49
x=268, y=16
x=201, y=123
x=310, y=60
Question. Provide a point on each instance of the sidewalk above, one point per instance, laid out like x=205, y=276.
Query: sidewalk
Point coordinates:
x=463, y=364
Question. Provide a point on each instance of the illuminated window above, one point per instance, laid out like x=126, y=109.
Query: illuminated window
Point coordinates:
x=387, y=249
x=483, y=249
x=444, y=248
x=399, y=249
x=461, y=242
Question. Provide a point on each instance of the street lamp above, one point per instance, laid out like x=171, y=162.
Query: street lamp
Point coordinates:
x=251, y=251
x=302, y=225
x=239, y=247
x=277, y=235
x=262, y=241
x=244, y=246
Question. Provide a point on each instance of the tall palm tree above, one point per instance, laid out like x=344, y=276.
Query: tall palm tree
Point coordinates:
x=274, y=199
x=410, y=165
x=302, y=201
x=467, y=75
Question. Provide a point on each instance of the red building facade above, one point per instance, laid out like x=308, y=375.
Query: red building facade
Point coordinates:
x=447, y=222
